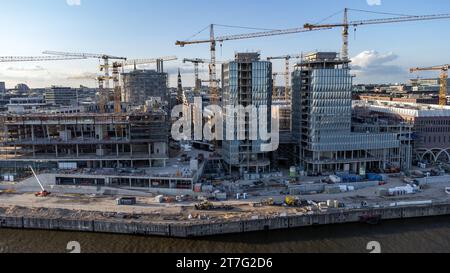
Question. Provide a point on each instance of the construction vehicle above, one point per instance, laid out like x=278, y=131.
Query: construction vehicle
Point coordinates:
x=346, y=25
x=205, y=205
x=264, y=203
x=43, y=192
x=443, y=80
x=290, y=201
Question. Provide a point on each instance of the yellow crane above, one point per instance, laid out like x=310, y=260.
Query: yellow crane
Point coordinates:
x=134, y=62
x=346, y=25
x=105, y=67
x=443, y=80
x=213, y=40
x=287, y=72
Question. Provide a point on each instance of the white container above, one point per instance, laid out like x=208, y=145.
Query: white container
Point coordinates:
x=159, y=199
x=335, y=179
x=194, y=165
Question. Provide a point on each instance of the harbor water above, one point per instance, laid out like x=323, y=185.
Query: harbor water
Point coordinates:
x=429, y=235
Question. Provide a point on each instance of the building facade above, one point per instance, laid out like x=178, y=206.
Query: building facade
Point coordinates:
x=322, y=121
x=61, y=96
x=140, y=85
x=430, y=124
x=246, y=81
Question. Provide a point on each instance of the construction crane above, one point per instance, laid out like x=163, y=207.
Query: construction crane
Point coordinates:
x=346, y=25
x=10, y=59
x=287, y=72
x=43, y=192
x=196, y=62
x=443, y=80
x=116, y=66
x=275, y=94
x=214, y=40
x=105, y=67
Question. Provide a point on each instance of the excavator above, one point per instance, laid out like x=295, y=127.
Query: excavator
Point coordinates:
x=42, y=193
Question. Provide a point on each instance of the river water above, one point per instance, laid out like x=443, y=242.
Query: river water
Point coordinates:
x=417, y=235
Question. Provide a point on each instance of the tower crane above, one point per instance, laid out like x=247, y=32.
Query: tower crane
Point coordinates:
x=346, y=25
x=443, y=80
x=213, y=40
x=10, y=59
x=105, y=67
x=287, y=71
x=116, y=79
x=196, y=62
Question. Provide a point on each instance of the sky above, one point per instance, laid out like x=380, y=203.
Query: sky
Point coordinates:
x=149, y=28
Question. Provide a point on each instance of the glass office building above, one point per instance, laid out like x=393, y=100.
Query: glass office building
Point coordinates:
x=246, y=81
x=322, y=121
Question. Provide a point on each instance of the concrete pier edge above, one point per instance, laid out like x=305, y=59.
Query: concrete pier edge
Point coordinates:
x=192, y=229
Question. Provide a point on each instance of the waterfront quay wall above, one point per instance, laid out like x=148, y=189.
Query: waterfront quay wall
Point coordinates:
x=209, y=228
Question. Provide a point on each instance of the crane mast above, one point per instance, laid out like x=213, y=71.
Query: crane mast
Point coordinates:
x=212, y=68
x=213, y=43
x=443, y=80
x=287, y=71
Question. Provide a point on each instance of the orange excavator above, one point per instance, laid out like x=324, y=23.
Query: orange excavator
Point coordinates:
x=42, y=193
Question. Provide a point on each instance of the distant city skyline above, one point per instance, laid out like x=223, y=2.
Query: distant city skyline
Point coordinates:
x=147, y=29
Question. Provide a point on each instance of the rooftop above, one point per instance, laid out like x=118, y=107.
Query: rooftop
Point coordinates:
x=405, y=108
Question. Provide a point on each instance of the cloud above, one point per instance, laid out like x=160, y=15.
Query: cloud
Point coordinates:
x=372, y=66
x=374, y=2
x=73, y=2
x=83, y=76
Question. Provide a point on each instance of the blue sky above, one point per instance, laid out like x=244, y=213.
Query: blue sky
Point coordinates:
x=149, y=28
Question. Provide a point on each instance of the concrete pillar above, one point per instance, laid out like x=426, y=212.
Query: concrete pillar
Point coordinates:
x=117, y=150
x=78, y=151
x=32, y=132
x=56, y=150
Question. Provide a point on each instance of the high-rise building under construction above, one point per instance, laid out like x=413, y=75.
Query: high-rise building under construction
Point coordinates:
x=247, y=81
x=322, y=122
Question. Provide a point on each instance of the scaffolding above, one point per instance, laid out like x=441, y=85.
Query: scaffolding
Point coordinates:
x=90, y=140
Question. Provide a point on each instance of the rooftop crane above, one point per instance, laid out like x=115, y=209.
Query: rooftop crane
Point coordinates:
x=105, y=67
x=443, y=78
x=287, y=72
x=214, y=40
x=346, y=25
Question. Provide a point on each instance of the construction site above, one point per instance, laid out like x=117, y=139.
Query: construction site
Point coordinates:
x=114, y=166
